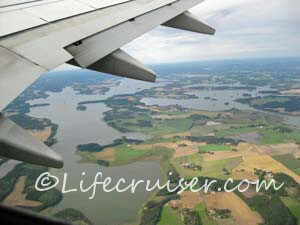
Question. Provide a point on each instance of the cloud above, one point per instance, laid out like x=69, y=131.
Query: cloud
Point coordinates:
x=245, y=28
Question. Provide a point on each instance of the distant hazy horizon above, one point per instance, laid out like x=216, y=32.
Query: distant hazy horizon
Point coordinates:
x=244, y=28
x=66, y=67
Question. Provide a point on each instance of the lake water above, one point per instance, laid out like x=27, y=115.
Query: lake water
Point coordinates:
x=202, y=103
x=224, y=100
x=81, y=127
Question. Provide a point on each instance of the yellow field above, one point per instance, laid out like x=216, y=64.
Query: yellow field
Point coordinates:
x=107, y=154
x=250, y=192
x=291, y=92
x=286, y=148
x=185, y=115
x=17, y=197
x=43, y=135
x=182, y=148
x=256, y=157
x=244, y=149
x=245, y=170
x=188, y=199
x=183, y=134
x=240, y=211
x=297, y=154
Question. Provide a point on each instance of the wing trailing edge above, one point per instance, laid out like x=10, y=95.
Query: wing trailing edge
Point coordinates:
x=17, y=143
x=187, y=21
x=121, y=64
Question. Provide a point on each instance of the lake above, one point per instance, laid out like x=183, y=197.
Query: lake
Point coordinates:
x=82, y=127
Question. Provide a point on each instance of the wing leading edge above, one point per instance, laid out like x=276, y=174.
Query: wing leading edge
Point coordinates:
x=88, y=37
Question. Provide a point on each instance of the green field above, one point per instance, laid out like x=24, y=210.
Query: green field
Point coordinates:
x=289, y=161
x=194, y=159
x=170, y=216
x=126, y=153
x=235, y=131
x=267, y=99
x=293, y=205
x=213, y=148
x=272, y=209
x=220, y=169
x=143, y=122
x=204, y=130
x=271, y=136
x=170, y=126
x=201, y=209
x=123, y=154
x=162, y=140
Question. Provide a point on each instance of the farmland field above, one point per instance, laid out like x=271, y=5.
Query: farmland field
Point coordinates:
x=293, y=205
x=289, y=161
x=212, y=148
x=170, y=216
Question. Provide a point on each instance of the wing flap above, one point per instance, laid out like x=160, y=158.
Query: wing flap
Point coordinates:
x=121, y=64
x=186, y=21
x=17, y=143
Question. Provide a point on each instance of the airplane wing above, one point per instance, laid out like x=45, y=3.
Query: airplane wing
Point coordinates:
x=39, y=35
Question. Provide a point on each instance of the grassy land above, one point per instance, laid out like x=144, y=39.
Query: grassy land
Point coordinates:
x=170, y=216
x=293, y=205
x=235, y=130
x=272, y=136
x=126, y=153
x=178, y=124
x=201, y=209
x=162, y=127
x=269, y=134
x=162, y=140
x=220, y=169
x=270, y=205
x=204, y=130
x=272, y=210
x=185, y=172
x=289, y=161
x=286, y=104
x=213, y=148
x=267, y=99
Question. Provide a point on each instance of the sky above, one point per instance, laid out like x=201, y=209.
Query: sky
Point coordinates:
x=244, y=29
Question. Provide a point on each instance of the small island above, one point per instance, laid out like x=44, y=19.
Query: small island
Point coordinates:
x=81, y=108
